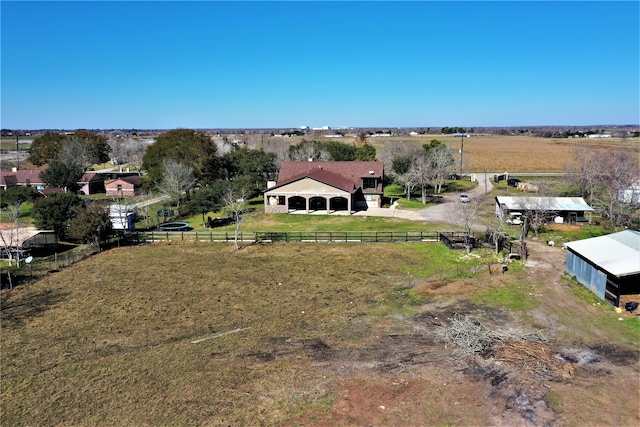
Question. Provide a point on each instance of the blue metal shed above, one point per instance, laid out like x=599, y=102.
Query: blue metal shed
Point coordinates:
x=608, y=265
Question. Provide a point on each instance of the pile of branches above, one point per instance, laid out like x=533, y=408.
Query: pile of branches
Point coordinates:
x=535, y=358
x=526, y=351
x=471, y=337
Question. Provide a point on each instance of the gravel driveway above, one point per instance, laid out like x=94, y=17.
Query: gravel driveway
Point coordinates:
x=443, y=211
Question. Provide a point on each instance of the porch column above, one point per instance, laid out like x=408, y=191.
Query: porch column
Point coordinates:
x=328, y=202
x=306, y=204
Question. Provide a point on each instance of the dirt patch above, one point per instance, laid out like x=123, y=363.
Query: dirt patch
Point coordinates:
x=416, y=378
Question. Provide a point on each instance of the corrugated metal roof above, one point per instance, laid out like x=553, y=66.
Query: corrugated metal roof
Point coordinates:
x=617, y=253
x=543, y=203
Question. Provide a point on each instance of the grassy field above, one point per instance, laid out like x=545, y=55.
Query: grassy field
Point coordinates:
x=108, y=342
x=197, y=334
x=296, y=334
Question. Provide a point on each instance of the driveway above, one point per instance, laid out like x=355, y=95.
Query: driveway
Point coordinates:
x=444, y=211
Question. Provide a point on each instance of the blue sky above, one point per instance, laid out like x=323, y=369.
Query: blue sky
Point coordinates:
x=165, y=65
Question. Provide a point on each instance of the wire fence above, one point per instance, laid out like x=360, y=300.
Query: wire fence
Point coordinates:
x=43, y=265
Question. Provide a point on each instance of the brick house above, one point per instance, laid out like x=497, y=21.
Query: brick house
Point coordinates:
x=124, y=186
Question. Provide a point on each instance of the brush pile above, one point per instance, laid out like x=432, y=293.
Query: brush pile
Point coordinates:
x=526, y=351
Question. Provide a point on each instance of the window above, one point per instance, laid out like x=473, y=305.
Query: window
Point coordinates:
x=368, y=183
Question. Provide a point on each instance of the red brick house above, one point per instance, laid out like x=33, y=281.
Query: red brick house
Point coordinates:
x=124, y=186
x=326, y=187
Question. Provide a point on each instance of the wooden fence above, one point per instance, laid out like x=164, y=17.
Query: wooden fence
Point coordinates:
x=306, y=236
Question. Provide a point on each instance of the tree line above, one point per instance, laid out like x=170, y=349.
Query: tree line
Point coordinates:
x=186, y=165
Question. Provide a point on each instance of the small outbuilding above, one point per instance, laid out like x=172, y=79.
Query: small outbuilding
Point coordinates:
x=571, y=210
x=608, y=265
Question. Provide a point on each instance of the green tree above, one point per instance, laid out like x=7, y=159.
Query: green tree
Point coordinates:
x=17, y=194
x=91, y=224
x=366, y=153
x=339, y=151
x=191, y=148
x=56, y=212
x=62, y=175
x=207, y=199
x=46, y=147
x=98, y=145
x=253, y=167
x=82, y=147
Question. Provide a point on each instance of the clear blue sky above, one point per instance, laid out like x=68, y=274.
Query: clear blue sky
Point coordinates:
x=164, y=65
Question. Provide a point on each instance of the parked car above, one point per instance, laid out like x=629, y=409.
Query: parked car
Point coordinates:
x=514, y=219
x=464, y=198
x=513, y=182
x=15, y=253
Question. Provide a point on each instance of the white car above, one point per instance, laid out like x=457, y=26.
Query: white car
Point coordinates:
x=464, y=198
x=514, y=219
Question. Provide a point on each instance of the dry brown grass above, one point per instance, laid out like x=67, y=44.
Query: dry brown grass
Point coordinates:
x=333, y=336
x=109, y=341
x=513, y=154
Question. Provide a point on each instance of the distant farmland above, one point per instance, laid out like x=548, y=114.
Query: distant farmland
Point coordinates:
x=484, y=152
x=498, y=153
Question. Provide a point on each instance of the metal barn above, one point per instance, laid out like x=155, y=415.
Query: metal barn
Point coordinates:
x=608, y=265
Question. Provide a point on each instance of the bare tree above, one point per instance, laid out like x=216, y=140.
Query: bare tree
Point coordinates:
x=539, y=213
x=74, y=152
x=422, y=172
x=602, y=176
x=466, y=214
x=11, y=235
x=584, y=171
x=441, y=165
x=277, y=146
x=306, y=150
x=235, y=207
x=401, y=157
x=177, y=179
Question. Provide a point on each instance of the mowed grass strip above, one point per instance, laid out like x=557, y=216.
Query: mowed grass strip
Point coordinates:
x=109, y=340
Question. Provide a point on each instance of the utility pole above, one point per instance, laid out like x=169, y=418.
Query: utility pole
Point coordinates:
x=461, y=150
x=17, y=151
